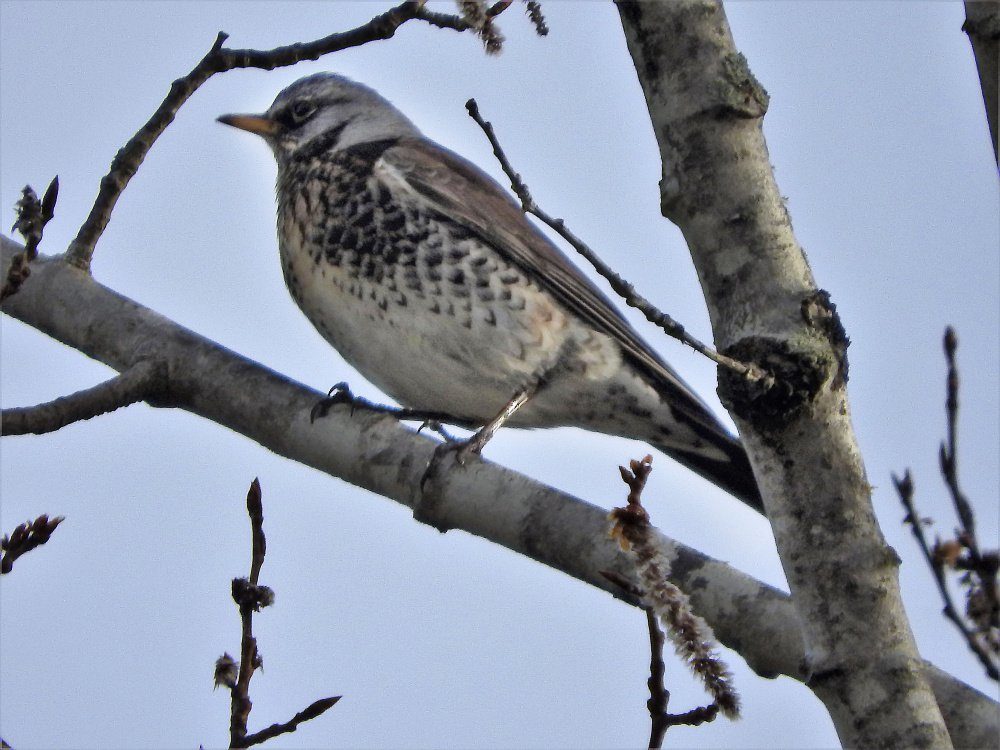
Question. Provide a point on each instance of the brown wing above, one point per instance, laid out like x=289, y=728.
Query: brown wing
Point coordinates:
x=463, y=193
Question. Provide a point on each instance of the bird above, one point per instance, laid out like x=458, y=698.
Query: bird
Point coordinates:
x=428, y=278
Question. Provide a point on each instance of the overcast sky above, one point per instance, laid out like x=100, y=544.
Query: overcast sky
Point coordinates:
x=879, y=141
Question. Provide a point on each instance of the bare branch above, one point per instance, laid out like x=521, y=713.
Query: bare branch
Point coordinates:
x=315, y=709
x=220, y=60
x=718, y=186
x=905, y=486
x=691, y=636
x=980, y=579
x=659, y=696
x=143, y=381
x=621, y=287
x=25, y=538
x=982, y=24
x=255, y=509
x=948, y=453
x=379, y=454
x=251, y=597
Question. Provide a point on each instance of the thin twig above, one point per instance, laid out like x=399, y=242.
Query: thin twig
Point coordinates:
x=948, y=454
x=251, y=597
x=659, y=696
x=905, y=487
x=982, y=594
x=25, y=538
x=220, y=60
x=143, y=381
x=620, y=286
x=690, y=635
x=255, y=509
x=311, y=712
x=248, y=598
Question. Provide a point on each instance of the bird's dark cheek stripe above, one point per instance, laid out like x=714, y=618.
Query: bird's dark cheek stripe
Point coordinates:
x=325, y=142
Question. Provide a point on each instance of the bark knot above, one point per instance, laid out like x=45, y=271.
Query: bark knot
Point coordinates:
x=819, y=313
x=799, y=374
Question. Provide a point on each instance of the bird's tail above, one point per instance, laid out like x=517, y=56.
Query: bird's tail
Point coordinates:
x=732, y=473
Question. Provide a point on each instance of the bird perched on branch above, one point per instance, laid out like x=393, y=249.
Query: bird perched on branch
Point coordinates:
x=428, y=278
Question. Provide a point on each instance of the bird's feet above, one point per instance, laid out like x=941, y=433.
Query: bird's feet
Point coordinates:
x=339, y=394
x=435, y=425
x=461, y=449
x=475, y=444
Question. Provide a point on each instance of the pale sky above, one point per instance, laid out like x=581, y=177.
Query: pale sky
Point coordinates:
x=108, y=635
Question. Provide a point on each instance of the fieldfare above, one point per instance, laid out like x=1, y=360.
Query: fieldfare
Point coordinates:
x=427, y=277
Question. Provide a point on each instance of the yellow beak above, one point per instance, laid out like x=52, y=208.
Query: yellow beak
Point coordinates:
x=258, y=124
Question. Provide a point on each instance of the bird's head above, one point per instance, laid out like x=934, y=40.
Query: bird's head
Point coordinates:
x=324, y=106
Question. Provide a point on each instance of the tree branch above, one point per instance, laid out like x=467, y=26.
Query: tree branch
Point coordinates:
x=981, y=568
x=220, y=60
x=142, y=381
x=718, y=187
x=621, y=287
x=375, y=452
x=251, y=597
x=982, y=24
x=691, y=636
x=904, y=487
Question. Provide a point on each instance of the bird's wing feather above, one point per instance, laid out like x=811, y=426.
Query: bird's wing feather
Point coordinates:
x=463, y=193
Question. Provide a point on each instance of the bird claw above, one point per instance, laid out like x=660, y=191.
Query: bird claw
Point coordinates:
x=462, y=450
x=435, y=425
x=339, y=394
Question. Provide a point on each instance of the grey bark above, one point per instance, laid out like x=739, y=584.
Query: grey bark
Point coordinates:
x=375, y=452
x=707, y=109
x=982, y=24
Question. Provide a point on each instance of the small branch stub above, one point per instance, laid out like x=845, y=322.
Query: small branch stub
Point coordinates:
x=32, y=216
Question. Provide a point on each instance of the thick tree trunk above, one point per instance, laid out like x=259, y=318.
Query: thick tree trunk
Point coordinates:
x=718, y=187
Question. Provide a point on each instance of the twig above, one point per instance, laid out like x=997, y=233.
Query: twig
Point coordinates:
x=25, y=538
x=32, y=216
x=659, y=696
x=251, y=597
x=311, y=712
x=139, y=383
x=620, y=286
x=948, y=455
x=981, y=599
x=691, y=636
x=220, y=60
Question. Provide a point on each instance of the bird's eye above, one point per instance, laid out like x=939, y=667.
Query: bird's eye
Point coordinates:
x=301, y=111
